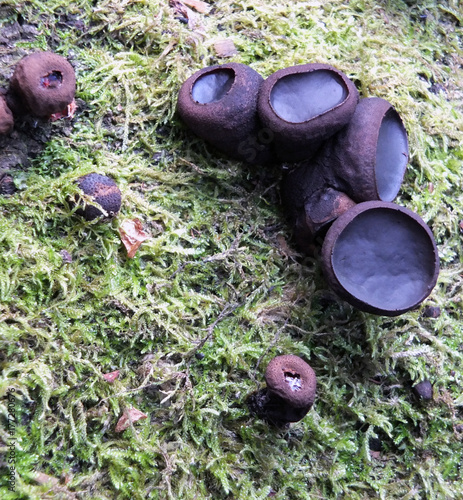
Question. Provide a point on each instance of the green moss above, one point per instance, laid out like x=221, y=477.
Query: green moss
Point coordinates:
x=216, y=277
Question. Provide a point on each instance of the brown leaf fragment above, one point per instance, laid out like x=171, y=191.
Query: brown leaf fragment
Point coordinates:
x=68, y=112
x=179, y=8
x=42, y=478
x=132, y=235
x=225, y=48
x=111, y=377
x=55, y=490
x=129, y=415
x=199, y=6
x=188, y=16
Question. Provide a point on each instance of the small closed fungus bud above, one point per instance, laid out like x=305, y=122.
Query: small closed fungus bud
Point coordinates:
x=6, y=117
x=101, y=190
x=43, y=83
x=219, y=104
x=381, y=258
x=305, y=105
x=290, y=391
x=423, y=390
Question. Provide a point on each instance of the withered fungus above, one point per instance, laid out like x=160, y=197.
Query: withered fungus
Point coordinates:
x=364, y=161
x=219, y=104
x=305, y=105
x=6, y=117
x=43, y=83
x=381, y=258
x=99, y=189
x=290, y=391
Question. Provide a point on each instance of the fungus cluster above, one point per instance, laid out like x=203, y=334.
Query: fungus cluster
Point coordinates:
x=352, y=156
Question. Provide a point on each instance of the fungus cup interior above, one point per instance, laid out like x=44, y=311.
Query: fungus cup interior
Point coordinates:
x=52, y=80
x=293, y=379
x=299, y=97
x=391, y=156
x=386, y=259
x=213, y=86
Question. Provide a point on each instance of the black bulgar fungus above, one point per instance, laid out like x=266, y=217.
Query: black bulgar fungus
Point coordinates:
x=219, y=104
x=368, y=158
x=43, y=83
x=305, y=105
x=423, y=390
x=6, y=117
x=101, y=190
x=381, y=258
x=290, y=391
x=365, y=161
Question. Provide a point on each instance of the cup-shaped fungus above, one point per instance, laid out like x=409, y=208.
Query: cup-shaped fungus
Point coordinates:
x=101, y=190
x=290, y=391
x=381, y=258
x=219, y=104
x=305, y=105
x=43, y=83
x=364, y=161
x=6, y=117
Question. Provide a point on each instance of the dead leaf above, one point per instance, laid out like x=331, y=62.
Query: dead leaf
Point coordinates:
x=42, y=478
x=225, y=48
x=199, y=6
x=130, y=415
x=65, y=113
x=187, y=15
x=55, y=490
x=132, y=235
x=111, y=377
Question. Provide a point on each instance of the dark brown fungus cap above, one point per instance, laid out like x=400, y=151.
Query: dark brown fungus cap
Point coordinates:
x=305, y=105
x=101, y=190
x=6, y=117
x=43, y=83
x=365, y=161
x=290, y=391
x=292, y=379
x=381, y=258
x=219, y=104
